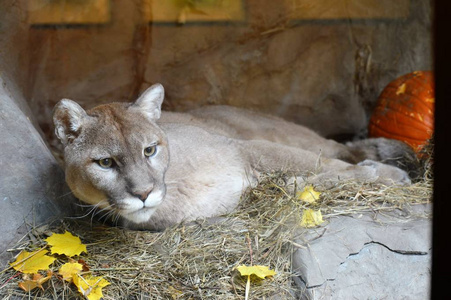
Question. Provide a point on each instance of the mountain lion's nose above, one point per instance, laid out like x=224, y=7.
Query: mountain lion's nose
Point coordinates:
x=142, y=195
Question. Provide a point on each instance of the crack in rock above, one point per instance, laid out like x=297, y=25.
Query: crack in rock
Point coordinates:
x=317, y=285
x=401, y=252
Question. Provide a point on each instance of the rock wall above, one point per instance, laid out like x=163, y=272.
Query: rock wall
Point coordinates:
x=323, y=70
x=32, y=188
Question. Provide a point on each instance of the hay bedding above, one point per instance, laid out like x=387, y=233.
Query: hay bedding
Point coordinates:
x=198, y=260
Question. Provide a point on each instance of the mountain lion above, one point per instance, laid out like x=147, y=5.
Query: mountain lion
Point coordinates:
x=154, y=169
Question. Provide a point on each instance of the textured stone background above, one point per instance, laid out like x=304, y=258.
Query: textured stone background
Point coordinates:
x=324, y=73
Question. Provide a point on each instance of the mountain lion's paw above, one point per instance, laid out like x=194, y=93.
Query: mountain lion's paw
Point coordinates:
x=387, y=174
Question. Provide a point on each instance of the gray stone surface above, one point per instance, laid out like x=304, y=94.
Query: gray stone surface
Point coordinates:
x=31, y=181
x=379, y=273
x=363, y=257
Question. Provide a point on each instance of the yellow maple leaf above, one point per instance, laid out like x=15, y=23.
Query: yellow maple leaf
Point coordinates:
x=311, y=218
x=32, y=262
x=90, y=286
x=259, y=271
x=35, y=282
x=308, y=194
x=66, y=244
x=68, y=270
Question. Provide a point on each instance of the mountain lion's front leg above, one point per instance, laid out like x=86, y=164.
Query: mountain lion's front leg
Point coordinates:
x=266, y=156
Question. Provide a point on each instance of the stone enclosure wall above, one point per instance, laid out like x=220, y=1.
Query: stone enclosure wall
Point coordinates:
x=319, y=63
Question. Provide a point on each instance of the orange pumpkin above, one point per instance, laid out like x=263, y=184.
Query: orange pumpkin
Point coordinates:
x=405, y=110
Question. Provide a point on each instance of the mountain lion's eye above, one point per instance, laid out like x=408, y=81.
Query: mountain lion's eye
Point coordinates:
x=105, y=163
x=150, y=151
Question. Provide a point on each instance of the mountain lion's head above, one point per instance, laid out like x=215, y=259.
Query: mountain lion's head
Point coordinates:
x=115, y=155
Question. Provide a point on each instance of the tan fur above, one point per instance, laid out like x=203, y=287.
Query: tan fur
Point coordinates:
x=205, y=159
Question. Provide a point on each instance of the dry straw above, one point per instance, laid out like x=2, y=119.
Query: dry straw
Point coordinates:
x=198, y=260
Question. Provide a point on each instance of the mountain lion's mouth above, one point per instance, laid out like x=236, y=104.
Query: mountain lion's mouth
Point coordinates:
x=135, y=209
x=154, y=199
x=138, y=216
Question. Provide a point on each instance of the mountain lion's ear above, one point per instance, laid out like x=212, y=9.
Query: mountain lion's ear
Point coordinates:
x=150, y=101
x=68, y=118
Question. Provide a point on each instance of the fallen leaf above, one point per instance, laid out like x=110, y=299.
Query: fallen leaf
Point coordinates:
x=90, y=287
x=66, y=244
x=311, y=218
x=84, y=264
x=32, y=262
x=28, y=285
x=68, y=270
x=35, y=282
x=308, y=194
x=259, y=271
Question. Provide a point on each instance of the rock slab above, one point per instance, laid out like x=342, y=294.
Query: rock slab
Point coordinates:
x=362, y=257
x=32, y=186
